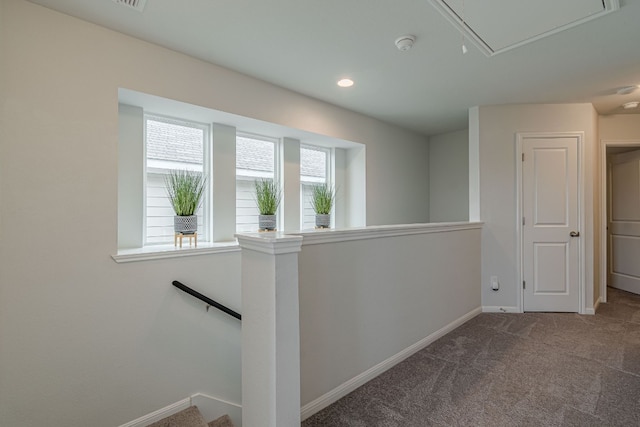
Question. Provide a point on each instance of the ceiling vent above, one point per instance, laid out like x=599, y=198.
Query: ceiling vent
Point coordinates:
x=133, y=4
x=496, y=26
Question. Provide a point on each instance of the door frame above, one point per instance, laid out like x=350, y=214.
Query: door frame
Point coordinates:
x=604, y=209
x=520, y=138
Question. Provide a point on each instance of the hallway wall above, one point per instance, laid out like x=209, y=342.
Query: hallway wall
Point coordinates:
x=492, y=188
x=87, y=341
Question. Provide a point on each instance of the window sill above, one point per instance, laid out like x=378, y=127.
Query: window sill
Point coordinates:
x=310, y=237
x=169, y=251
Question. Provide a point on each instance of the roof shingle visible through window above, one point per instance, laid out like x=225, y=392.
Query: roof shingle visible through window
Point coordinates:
x=254, y=154
x=174, y=142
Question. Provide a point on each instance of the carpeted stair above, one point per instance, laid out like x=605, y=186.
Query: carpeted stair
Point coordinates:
x=191, y=417
x=223, y=421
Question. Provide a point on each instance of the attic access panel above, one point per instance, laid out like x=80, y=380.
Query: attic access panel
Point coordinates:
x=496, y=26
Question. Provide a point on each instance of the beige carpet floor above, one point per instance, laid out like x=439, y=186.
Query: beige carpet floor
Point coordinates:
x=532, y=369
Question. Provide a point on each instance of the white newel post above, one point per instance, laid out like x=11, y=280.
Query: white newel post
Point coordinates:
x=270, y=330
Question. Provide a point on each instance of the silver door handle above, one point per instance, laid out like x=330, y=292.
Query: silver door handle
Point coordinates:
x=574, y=234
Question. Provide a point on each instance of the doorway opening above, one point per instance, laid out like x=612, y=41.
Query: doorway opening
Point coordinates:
x=608, y=149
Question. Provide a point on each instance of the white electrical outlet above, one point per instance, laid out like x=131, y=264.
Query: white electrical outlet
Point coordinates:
x=494, y=283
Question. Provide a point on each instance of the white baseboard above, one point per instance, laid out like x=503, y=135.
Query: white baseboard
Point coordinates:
x=145, y=420
x=625, y=282
x=349, y=386
x=210, y=407
x=500, y=309
x=503, y=309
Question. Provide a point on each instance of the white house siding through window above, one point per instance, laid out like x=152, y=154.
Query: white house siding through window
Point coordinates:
x=170, y=144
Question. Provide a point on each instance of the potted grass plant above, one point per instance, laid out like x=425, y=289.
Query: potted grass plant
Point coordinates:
x=267, y=198
x=322, y=199
x=185, y=190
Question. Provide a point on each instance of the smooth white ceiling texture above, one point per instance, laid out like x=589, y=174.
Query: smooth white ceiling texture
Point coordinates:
x=307, y=45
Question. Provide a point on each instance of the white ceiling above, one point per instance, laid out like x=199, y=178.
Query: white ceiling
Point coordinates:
x=500, y=25
x=307, y=45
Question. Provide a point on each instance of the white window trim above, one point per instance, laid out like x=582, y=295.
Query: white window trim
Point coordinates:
x=207, y=220
x=329, y=164
x=277, y=167
x=329, y=177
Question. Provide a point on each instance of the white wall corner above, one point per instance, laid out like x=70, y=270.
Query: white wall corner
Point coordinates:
x=270, y=329
x=223, y=186
x=290, y=161
x=338, y=178
x=474, y=164
x=592, y=310
x=355, y=191
x=130, y=176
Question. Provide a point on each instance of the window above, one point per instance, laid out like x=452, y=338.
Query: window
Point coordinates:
x=171, y=144
x=314, y=166
x=255, y=159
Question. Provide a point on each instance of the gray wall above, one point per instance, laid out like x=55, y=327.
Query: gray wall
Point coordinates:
x=619, y=127
x=371, y=299
x=493, y=188
x=449, y=177
x=84, y=340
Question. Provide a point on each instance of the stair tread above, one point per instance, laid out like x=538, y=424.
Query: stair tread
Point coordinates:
x=190, y=417
x=223, y=421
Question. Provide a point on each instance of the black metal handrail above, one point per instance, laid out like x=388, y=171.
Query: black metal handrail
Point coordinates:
x=206, y=299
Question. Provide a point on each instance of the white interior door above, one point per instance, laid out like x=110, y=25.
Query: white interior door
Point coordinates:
x=550, y=231
x=624, y=226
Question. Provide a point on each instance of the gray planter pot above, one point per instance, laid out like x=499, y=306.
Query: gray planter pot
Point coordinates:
x=323, y=220
x=267, y=222
x=185, y=224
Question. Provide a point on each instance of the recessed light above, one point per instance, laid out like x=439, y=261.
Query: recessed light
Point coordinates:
x=630, y=105
x=345, y=83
